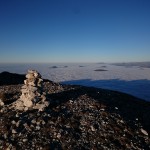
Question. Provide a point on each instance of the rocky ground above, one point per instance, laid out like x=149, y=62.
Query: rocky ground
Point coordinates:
x=77, y=118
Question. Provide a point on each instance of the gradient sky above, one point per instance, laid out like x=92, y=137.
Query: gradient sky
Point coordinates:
x=74, y=30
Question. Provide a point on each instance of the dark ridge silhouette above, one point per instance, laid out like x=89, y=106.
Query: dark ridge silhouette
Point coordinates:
x=7, y=78
x=53, y=67
x=131, y=64
x=118, y=85
x=100, y=70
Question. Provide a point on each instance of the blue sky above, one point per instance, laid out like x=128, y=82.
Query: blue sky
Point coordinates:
x=74, y=30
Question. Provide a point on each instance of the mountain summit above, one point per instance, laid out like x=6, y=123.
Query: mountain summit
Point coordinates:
x=77, y=117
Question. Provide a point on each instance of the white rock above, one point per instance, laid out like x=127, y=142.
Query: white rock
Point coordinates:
x=1, y=103
x=17, y=124
x=36, y=75
x=93, y=129
x=25, y=108
x=43, y=122
x=38, y=127
x=13, y=131
x=121, y=121
x=31, y=94
x=30, y=76
x=46, y=103
x=71, y=101
x=17, y=115
x=25, y=82
x=144, y=132
x=28, y=103
x=8, y=148
x=58, y=135
x=32, y=84
x=25, y=140
x=40, y=80
x=5, y=136
x=43, y=97
x=13, y=122
x=33, y=121
x=31, y=88
x=1, y=110
x=24, y=90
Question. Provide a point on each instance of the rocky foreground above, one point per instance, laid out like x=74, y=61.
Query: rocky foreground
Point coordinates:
x=76, y=118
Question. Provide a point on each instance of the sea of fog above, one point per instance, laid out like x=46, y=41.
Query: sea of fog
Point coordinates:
x=133, y=79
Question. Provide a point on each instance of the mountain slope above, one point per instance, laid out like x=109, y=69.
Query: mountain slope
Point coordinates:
x=78, y=117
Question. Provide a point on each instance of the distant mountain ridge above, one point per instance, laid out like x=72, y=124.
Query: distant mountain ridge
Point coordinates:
x=130, y=64
x=7, y=78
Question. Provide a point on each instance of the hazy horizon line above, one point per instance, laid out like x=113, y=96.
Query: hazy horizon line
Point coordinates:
x=74, y=62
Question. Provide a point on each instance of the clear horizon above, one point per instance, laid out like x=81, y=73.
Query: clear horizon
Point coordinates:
x=36, y=31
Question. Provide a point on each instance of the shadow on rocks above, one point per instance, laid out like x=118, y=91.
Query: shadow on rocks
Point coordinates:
x=128, y=107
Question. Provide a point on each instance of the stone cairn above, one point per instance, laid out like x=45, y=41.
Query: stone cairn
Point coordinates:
x=32, y=96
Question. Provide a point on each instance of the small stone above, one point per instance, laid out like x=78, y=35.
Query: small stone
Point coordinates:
x=13, y=131
x=25, y=140
x=5, y=136
x=93, y=129
x=38, y=127
x=58, y=135
x=144, y=132
x=43, y=122
x=13, y=122
x=26, y=108
x=36, y=75
x=43, y=97
x=17, y=115
x=33, y=121
x=1, y=103
x=17, y=124
x=30, y=76
x=28, y=103
x=38, y=122
x=70, y=101
x=33, y=89
x=121, y=121
x=8, y=148
x=25, y=124
x=32, y=84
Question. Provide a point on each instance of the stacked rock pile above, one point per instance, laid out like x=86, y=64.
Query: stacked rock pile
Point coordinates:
x=32, y=96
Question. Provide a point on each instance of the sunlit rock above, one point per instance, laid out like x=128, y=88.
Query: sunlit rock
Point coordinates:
x=32, y=95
